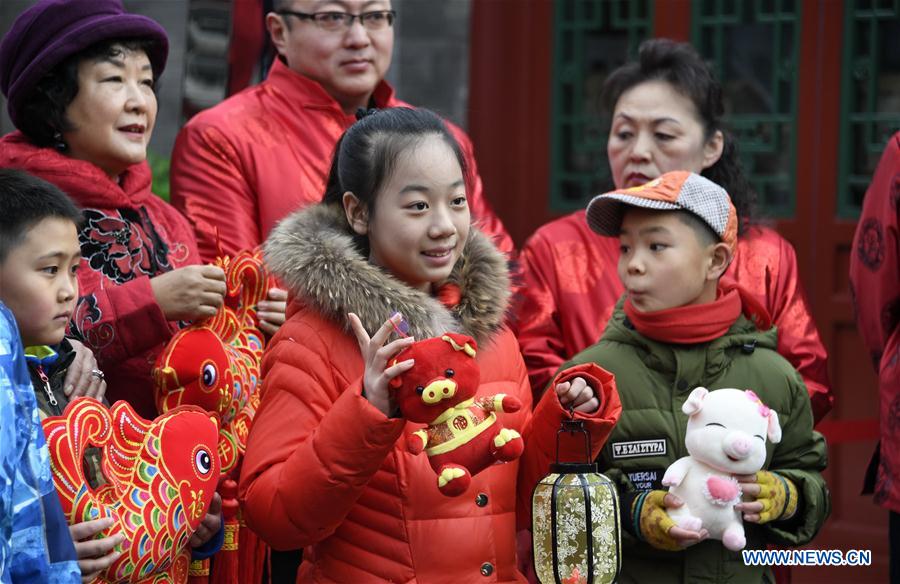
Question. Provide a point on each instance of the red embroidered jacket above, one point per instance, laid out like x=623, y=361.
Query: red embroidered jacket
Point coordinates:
x=875, y=280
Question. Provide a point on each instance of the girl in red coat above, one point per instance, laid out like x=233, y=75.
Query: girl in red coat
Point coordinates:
x=326, y=465
x=666, y=112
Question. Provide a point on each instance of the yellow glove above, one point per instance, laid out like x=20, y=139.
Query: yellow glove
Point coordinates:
x=778, y=496
x=652, y=523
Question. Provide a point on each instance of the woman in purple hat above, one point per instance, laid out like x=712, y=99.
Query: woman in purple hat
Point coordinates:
x=79, y=76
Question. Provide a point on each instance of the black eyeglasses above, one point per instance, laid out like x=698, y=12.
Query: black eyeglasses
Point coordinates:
x=340, y=21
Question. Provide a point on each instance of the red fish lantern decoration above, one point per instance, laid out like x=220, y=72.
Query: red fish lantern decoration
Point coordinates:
x=214, y=364
x=161, y=475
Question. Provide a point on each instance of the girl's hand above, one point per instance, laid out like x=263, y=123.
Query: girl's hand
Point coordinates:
x=577, y=394
x=83, y=376
x=271, y=311
x=94, y=555
x=376, y=355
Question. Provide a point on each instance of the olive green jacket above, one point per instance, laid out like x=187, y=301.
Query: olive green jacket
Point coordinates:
x=654, y=379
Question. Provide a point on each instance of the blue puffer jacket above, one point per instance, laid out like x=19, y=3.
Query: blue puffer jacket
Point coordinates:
x=35, y=545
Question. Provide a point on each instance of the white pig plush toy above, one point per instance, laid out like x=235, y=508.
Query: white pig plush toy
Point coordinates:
x=726, y=436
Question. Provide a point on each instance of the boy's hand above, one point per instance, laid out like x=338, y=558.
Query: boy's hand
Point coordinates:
x=190, y=293
x=657, y=528
x=83, y=377
x=577, y=394
x=271, y=311
x=211, y=523
x=94, y=555
x=376, y=354
x=771, y=497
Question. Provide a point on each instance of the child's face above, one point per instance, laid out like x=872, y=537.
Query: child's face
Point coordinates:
x=421, y=220
x=38, y=283
x=662, y=263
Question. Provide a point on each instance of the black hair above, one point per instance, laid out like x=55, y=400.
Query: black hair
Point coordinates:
x=43, y=118
x=25, y=201
x=365, y=155
x=705, y=234
x=681, y=66
x=277, y=7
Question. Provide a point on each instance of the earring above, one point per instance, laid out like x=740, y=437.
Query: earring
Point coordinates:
x=59, y=144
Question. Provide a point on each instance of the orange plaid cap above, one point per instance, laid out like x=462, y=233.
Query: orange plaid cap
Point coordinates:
x=673, y=191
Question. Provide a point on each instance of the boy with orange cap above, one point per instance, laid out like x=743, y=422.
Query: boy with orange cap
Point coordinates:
x=676, y=328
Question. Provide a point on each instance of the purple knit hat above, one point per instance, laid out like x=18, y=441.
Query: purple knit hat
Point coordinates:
x=53, y=30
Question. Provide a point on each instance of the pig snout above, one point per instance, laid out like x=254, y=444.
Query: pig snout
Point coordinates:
x=738, y=445
x=439, y=390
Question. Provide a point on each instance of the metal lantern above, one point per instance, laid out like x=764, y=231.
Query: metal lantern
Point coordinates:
x=575, y=521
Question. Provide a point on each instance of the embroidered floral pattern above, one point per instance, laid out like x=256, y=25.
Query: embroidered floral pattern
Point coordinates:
x=83, y=325
x=871, y=244
x=122, y=247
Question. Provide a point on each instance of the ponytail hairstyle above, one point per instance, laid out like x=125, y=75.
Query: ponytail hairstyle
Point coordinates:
x=365, y=155
x=679, y=65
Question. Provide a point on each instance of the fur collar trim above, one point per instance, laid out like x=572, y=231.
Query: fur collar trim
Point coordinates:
x=312, y=251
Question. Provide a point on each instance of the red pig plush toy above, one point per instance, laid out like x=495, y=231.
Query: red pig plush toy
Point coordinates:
x=463, y=436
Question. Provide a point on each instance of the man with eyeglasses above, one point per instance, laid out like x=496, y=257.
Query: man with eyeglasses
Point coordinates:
x=241, y=166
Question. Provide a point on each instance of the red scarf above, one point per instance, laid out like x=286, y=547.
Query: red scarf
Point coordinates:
x=699, y=323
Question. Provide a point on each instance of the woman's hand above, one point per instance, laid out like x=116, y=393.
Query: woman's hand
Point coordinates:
x=376, y=354
x=210, y=524
x=578, y=395
x=94, y=555
x=271, y=311
x=83, y=376
x=190, y=293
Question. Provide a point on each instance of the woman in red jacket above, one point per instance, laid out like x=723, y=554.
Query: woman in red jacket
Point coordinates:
x=80, y=76
x=666, y=115
x=326, y=466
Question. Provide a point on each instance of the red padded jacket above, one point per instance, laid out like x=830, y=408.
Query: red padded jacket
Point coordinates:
x=326, y=469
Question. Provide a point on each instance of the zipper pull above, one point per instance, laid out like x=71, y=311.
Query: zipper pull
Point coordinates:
x=43, y=376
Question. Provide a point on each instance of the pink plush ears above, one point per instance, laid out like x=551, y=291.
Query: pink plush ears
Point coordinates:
x=694, y=401
x=774, y=428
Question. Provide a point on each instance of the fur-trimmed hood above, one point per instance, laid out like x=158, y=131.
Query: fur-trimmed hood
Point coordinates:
x=313, y=252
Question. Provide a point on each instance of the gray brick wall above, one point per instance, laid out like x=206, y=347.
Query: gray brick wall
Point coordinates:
x=431, y=56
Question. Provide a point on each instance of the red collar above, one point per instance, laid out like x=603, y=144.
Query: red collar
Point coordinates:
x=302, y=90
x=83, y=181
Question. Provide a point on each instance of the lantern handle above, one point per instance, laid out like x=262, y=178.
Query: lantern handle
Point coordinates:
x=572, y=426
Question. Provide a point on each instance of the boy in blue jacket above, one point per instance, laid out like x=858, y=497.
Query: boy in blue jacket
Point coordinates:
x=35, y=545
x=39, y=257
